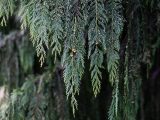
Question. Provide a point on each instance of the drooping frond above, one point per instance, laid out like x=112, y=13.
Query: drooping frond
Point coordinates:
x=30, y=97
x=6, y=10
x=97, y=44
x=76, y=29
x=114, y=33
x=56, y=30
x=73, y=56
x=113, y=110
x=35, y=16
x=116, y=26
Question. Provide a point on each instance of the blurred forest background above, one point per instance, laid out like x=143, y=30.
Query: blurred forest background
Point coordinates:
x=31, y=92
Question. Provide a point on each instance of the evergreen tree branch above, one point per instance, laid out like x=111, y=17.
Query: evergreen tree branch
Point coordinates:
x=97, y=44
x=7, y=8
x=35, y=16
x=73, y=55
x=115, y=14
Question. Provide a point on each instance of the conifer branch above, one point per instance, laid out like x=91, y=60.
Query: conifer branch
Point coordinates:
x=57, y=30
x=6, y=10
x=97, y=44
x=35, y=16
x=73, y=55
x=116, y=26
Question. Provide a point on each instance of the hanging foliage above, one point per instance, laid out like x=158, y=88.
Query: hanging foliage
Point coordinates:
x=115, y=36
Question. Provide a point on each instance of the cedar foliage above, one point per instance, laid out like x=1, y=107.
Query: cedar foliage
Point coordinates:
x=111, y=34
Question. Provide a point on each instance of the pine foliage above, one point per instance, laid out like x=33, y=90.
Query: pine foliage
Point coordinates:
x=116, y=26
x=32, y=101
x=78, y=31
x=51, y=22
x=45, y=21
x=57, y=26
x=97, y=44
x=73, y=55
x=35, y=15
x=7, y=8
